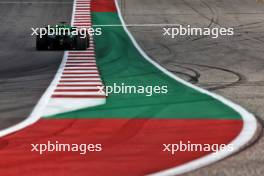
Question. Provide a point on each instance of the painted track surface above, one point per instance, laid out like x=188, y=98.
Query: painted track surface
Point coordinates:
x=42, y=131
x=130, y=146
x=60, y=131
x=24, y=72
x=205, y=62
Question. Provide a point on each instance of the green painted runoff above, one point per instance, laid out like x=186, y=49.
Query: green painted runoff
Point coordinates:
x=120, y=63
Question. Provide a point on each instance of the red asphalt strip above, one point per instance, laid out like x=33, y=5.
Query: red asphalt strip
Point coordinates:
x=129, y=145
x=103, y=6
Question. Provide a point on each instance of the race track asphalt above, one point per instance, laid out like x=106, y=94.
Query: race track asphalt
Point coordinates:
x=24, y=72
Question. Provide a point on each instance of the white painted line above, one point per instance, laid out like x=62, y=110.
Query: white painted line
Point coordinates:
x=88, y=79
x=86, y=24
x=79, y=87
x=79, y=82
x=81, y=13
x=78, y=93
x=83, y=7
x=81, y=52
x=81, y=63
x=82, y=55
x=90, y=58
x=80, y=7
x=82, y=60
x=70, y=104
x=78, y=60
x=87, y=27
x=76, y=75
x=86, y=71
x=88, y=52
x=82, y=16
x=87, y=65
x=138, y=25
x=84, y=83
x=78, y=11
x=84, y=20
x=81, y=67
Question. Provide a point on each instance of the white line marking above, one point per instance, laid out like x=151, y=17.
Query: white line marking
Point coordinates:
x=78, y=60
x=78, y=87
x=77, y=75
x=136, y=25
x=78, y=93
x=80, y=63
x=87, y=20
x=88, y=79
x=82, y=53
x=69, y=102
x=69, y=68
x=86, y=71
x=81, y=15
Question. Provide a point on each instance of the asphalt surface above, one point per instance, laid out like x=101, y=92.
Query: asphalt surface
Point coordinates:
x=230, y=66
x=24, y=72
